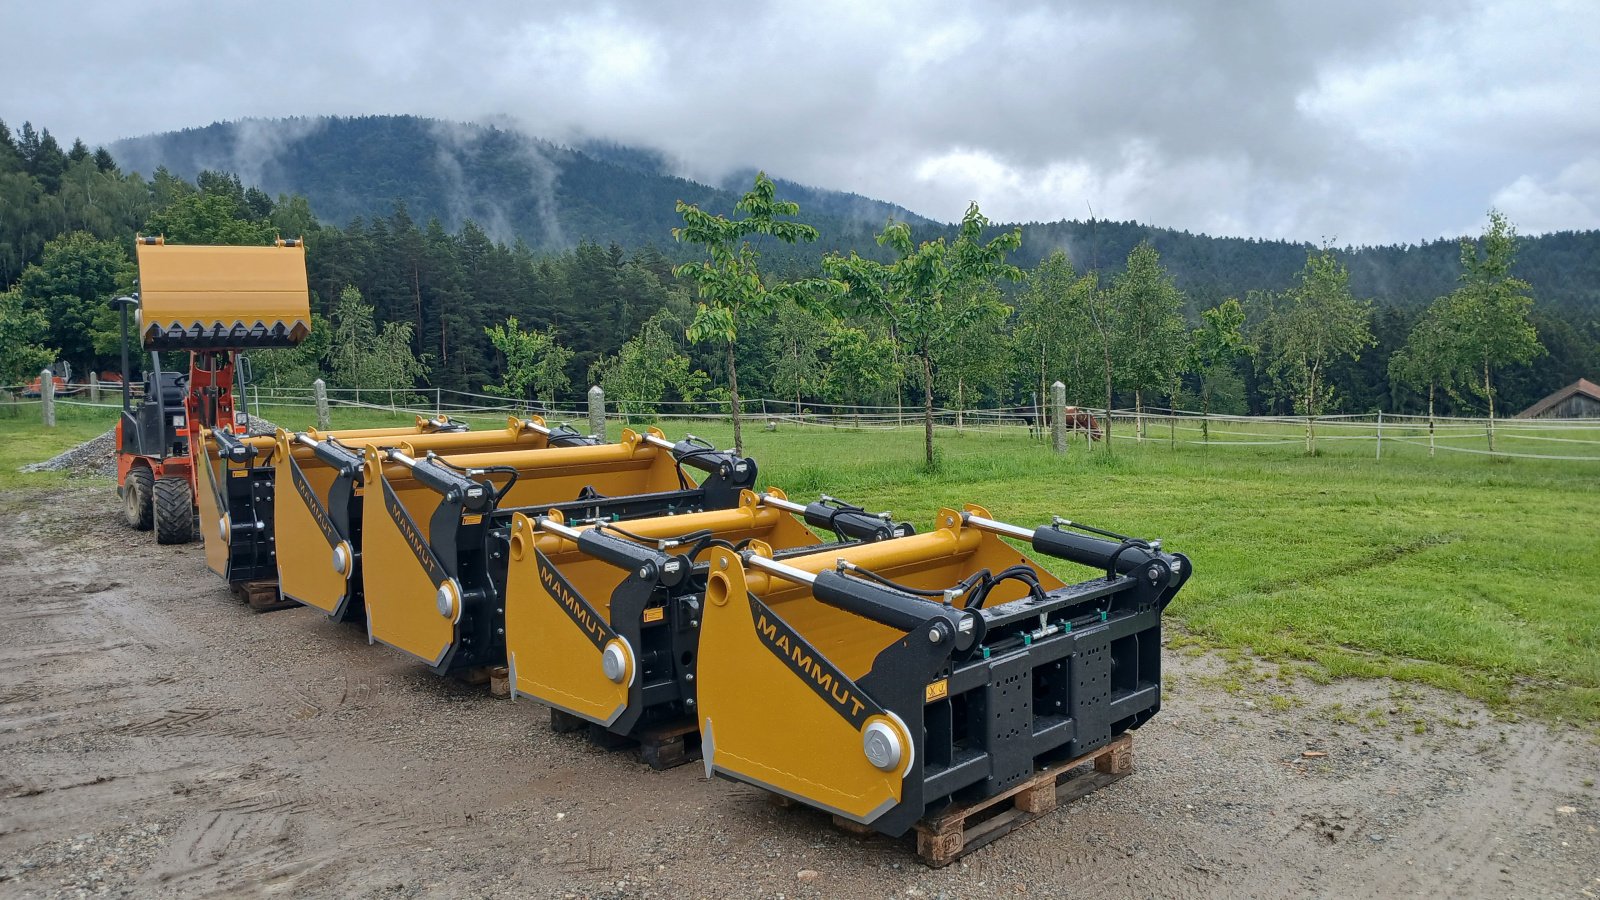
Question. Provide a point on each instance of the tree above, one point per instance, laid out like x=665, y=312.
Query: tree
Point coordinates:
x=1055, y=334
x=1213, y=349
x=796, y=336
x=22, y=335
x=860, y=367
x=365, y=357
x=1147, y=330
x=730, y=285
x=976, y=355
x=71, y=287
x=535, y=362
x=1431, y=357
x=929, y=291
x=1321, y=323
x=295, y=366
x=209, y=217
x=1489, y=312
x=636, y=378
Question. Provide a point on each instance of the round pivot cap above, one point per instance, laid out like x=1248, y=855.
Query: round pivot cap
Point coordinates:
x=882, y=745
x=223, y=530
x=614, y=662
x=446, y=599
x=341, y=558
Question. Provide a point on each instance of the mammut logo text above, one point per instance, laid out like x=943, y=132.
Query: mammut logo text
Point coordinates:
x=582, y=614
x=313, y=503
x=813, y=668
x=412, y=537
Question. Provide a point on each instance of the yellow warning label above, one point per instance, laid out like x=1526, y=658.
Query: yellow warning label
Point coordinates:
x=239, y=473
x=655, y=614
x=937, y=691
x=472, y=518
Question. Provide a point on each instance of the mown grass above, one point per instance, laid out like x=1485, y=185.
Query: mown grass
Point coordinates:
x=1463, y=572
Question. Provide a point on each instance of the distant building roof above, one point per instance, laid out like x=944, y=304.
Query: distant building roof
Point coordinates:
x=1582, y=386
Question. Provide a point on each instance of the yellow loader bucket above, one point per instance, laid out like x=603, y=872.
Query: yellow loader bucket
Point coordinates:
x=318, y=562
x=889, y=679
x=435, y=531
x=235, y=498
x=590, y=623
x=213, y=297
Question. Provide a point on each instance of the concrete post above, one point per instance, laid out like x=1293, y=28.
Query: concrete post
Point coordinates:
x=47, y=397
x=1058, y=417
x=597, y=412
x=94, y=388
x=320, y=389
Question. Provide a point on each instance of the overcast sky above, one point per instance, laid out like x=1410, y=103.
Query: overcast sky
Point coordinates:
x=1356, y=122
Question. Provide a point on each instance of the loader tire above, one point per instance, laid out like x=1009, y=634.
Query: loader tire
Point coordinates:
x=174, y=511
x=137, y=489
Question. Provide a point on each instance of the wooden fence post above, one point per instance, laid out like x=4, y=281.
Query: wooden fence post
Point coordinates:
x=94, y=388
x=47, y=397
x=1380, y=435
x=320, y=389
x=597, y=412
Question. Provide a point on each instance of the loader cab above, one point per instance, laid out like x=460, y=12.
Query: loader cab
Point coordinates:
x=156, y=427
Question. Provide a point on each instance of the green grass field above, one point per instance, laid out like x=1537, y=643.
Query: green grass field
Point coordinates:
x=1465, y=572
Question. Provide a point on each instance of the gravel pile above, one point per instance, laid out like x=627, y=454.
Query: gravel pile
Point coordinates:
x=98, y=455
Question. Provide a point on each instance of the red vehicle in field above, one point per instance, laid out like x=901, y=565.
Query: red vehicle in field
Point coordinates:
x=209, y=302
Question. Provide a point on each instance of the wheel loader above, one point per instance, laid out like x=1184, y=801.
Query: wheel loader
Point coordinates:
x=885, y=681
x=210, y=302
x=436, y=529
x=602, y=620
x=320, y=562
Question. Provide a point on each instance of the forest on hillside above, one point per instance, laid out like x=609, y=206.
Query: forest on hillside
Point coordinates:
x=469, y=312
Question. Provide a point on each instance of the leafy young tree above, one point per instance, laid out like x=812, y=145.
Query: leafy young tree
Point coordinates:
x=70, y=287
x=365, y=357
x=1431, y=357
x=22, y=335
x=861, y=367
x=535, y=362
x=637, y=376
x=796, y=336
x=1055, y=334
x=1321, y=323
x=1213, y=348
x=975, y=356
x=1148, y=332
x=1489, y=312
x=929, y=291
x=296, y=366
x=730, y=285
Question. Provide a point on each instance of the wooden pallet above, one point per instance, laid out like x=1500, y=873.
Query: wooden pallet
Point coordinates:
x=945, y=838
x=261, y=595
x=668, y=746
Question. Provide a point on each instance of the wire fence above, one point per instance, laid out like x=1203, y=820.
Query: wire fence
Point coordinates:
x=1376, y=434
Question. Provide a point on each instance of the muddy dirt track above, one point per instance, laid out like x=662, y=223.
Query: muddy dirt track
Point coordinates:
x=158, y=739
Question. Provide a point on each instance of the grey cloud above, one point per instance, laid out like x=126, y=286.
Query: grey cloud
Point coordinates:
x=1362, y=122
